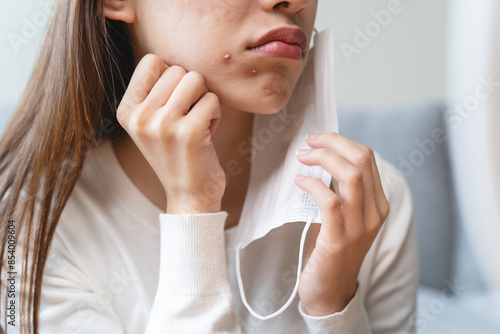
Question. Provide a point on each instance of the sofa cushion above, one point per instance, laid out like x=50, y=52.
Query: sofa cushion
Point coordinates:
x=463, y=311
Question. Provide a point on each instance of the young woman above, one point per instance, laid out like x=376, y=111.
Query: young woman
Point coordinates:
x=172, y=88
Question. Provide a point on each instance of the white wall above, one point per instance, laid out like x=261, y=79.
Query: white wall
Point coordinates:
x=474, y=97
x=402, y=64
x=22, y=25
x=404, y=61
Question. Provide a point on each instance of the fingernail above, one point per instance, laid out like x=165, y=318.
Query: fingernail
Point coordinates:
x=311, y=136
x=300, y=177
x=302, y=153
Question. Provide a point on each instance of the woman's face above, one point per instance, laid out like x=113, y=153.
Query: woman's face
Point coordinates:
x=222, y=40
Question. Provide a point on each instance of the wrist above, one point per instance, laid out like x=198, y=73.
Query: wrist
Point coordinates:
x=330, y=306
x=184, y=209
x=324, y=310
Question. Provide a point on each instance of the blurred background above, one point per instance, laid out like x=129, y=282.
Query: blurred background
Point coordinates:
x=419, y=82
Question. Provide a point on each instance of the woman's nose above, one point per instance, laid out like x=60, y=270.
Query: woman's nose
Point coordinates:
x=291, y=6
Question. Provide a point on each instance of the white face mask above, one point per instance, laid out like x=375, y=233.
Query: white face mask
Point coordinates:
x=277, y=200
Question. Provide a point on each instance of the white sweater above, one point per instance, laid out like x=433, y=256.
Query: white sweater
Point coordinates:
x=118, y=264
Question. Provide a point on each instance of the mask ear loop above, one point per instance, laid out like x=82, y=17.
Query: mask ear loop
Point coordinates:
x=295, y=289
x=314, y=34
x=299, y=269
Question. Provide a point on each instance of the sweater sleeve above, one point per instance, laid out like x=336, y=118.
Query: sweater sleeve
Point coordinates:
x=389, y=306
x=194, y=294
x=353, y=319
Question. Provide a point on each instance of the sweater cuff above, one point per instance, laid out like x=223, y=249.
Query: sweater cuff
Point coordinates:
x=192, y=255
x=353, y=319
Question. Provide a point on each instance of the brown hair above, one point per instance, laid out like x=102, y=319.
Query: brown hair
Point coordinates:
x=69, y=104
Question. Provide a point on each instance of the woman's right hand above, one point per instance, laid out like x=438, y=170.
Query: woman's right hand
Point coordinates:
x=170, y=115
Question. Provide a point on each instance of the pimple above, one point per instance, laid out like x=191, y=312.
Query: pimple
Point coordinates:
x=226, y=57
x=254, y=71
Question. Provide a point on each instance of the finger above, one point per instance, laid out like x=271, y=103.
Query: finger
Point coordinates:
x=382, y=202
x=148, y=71
x=206, y=113
x=364, y=159
x=332, y=140
x=360, y=156
x=329, y=204
x=349, y=177
x=355, y=153
x=145, y=75
x=165, y=86
x=189, y=90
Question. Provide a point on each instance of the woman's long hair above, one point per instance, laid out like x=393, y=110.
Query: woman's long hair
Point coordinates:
x=68, y=105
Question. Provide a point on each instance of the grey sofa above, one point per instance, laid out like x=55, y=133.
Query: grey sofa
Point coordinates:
x=452, y=296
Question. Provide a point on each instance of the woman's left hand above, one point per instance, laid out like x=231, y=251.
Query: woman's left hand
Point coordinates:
x=350, y=221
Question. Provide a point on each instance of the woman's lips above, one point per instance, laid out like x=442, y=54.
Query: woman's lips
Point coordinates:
x=285, y=42
x=279, y=49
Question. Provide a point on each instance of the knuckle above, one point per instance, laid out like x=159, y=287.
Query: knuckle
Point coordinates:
x=138, y=130
x=123, y=111
x=318, y=153
x=332, y=202
x=167, y=114
x=212, y=98
x=385, y=210
x=120, y=116
x=315, y=182
x=140, y=133
x=158, y=127
x=365, y=158
x=138, y=124
x=135, y=93
x=196, y=78
x=179, y=70
x=141, y=120
x=354, y=177
x=164, y=132
x=332, y=136
x=150, y=60
x=152, y=65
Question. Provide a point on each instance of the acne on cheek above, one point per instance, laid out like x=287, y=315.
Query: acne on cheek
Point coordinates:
x=251, y=71
x=227, y=59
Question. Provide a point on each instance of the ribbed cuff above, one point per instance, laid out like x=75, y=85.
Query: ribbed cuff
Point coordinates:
x=353, y=319
x=193, y=258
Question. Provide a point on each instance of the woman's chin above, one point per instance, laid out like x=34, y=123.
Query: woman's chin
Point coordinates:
x=265, y=105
